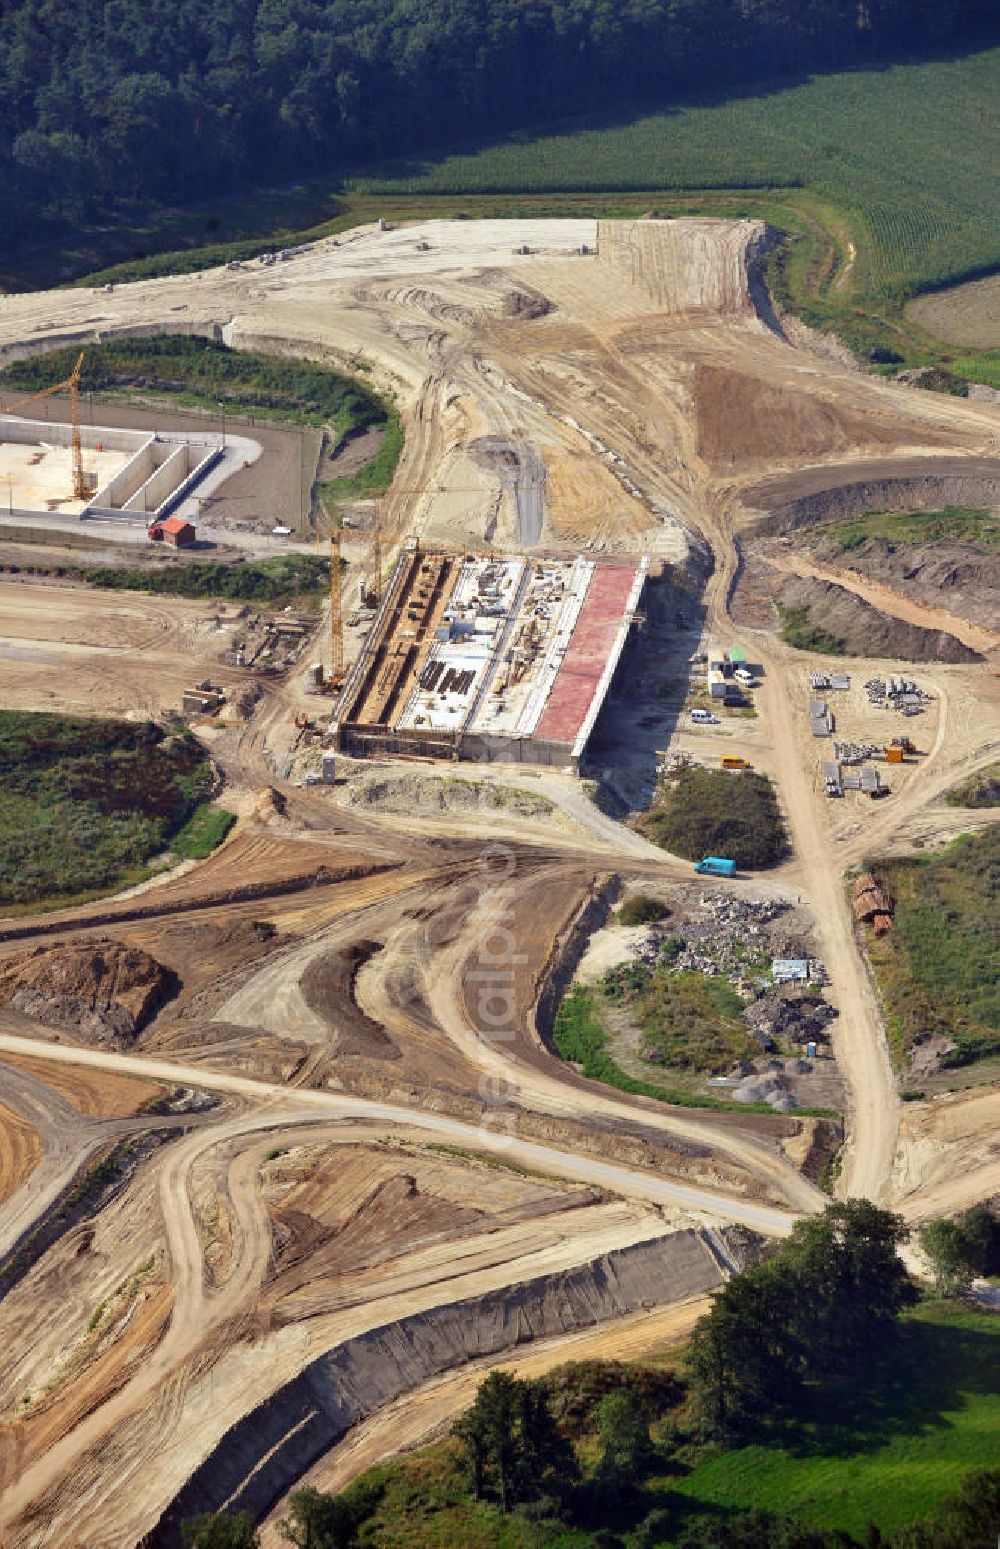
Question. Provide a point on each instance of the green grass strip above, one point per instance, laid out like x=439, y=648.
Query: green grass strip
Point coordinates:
x=203, y=832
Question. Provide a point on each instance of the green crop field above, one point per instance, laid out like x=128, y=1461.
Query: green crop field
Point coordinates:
x=887, y=1450
x=888, y=1447
x=884, y=181
x=910, y=153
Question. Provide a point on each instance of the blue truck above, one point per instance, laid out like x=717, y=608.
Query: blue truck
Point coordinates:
x=716, y=866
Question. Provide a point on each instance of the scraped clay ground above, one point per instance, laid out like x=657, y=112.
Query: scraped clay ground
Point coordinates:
x=655, y=395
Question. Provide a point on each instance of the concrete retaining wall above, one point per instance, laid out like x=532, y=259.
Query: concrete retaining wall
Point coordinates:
x=484, y=749
x=170, y=466
x=199, y=467
x=27, y=432
x=118, y=490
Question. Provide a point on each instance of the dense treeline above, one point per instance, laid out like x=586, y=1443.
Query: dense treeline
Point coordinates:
x=172, y=100
x=830, y=1298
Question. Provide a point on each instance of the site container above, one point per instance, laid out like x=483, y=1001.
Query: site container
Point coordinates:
x=715, y=866
x=894, y=755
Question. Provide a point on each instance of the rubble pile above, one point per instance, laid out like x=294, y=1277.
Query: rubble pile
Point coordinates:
x=772, y=1085
x=801, y=1018
x=732, y=940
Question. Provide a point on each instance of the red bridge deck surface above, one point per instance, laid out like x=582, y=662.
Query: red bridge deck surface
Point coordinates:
x=577, y=679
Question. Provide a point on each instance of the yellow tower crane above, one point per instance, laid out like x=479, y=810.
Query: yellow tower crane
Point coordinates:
x=336, y=601
x=83, y=489
x=374, y=589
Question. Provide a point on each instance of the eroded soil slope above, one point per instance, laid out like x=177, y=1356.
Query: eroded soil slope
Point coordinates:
x=962, y=577
x=863, y=630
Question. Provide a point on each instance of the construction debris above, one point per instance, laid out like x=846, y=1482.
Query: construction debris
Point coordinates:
x=206, y=698
x=821, y=720
x=799, y=1016
x=856, y=752
x=871, y=899
x=730, y=939
x=894, y=693
x=838, y=681
x=272, y=643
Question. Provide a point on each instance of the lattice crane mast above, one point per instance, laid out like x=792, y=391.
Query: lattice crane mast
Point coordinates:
x=336, y=602
x=83, y=489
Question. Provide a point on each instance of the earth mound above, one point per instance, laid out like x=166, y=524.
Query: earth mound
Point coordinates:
x=408, y=794
x=862, y=630
x=962, y=577
x=328, y=986
x=101, y=988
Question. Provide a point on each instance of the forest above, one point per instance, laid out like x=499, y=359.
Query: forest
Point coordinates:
x=132, y=103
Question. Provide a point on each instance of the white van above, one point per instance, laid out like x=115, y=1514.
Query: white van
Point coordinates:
x=743, y=676
x=705, y=717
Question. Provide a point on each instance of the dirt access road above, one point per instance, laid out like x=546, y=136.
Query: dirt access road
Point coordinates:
x=311, y=1106
x=650, y=380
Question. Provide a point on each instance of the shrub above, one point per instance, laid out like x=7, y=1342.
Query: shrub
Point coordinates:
x=718, y=812
x=798, y=631
x=641, y=909
x=85, y=803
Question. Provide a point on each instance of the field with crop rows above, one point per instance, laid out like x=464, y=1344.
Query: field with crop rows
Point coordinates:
x=910, y=152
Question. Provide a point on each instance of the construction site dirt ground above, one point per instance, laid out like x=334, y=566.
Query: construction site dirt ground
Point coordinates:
x=67, y=647
x=325, y=1131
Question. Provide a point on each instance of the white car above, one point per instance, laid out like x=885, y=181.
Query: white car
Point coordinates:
x=704, y=717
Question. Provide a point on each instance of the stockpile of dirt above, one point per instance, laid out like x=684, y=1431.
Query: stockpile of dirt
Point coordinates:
x=746, y=422
x=327, y=986
x=268, y=805
x=863, y=630
x=410, y=794
x=962, y=577
x=101, y=989
x=524, y=301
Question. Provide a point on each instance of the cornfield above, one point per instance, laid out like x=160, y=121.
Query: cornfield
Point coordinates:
x=909, y=152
